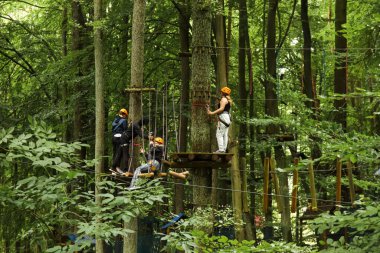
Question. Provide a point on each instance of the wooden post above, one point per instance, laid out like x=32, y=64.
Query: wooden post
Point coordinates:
x=276, y=184
x=351, y=182
x=266, y=184
x=312, y=187
x=338, y=182
x=295, y=186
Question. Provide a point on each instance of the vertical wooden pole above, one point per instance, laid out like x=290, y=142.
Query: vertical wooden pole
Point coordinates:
x=266, y=184
x=338, y=182
x=276, y=184
x=351, y=182
x=295, y=186
x=312, y=187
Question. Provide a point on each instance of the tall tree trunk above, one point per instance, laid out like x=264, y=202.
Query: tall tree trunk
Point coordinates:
x=229, y=34
x=65, y=119
x=78, y=40
x=200, y=95
x=271, y=109
x=308, y=87
x=307, y=76
x=271, y=106
x=340, y=70
x=184, y=32
x=243, y=128
x=236, y=182
x=99, y=107
x=221, y=77
x=137, y=78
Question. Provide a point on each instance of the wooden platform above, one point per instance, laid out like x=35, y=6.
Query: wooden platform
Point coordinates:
x=199, y=160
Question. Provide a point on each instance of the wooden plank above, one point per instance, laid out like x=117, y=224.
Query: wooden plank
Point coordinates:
x=214, y=157
x=312, y=188
x=198, y=164
x=151, y=174
x=295, y=186
x=132, y=89
x=351, y=182
x=184, y=154
x=228, y=157
x=272, y=165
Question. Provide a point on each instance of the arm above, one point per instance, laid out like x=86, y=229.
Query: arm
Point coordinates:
x=223, y=103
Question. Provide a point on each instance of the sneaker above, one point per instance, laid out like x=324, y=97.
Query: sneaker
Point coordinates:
x=220, y=151
x=119, y=170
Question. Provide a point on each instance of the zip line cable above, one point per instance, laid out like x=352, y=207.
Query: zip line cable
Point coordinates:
x=225, y=189
x=208, y=187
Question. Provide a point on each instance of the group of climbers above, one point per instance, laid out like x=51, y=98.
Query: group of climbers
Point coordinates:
x=123, y=135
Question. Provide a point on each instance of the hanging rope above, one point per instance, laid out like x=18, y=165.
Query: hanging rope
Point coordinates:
x=175, y=125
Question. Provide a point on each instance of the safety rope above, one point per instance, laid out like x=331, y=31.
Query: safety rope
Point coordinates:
x=175, y=124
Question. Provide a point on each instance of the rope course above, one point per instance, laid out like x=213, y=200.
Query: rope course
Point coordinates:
x=225, y=189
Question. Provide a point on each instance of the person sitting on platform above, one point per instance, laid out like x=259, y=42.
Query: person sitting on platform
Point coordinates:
x=154, y=158
x=133, y=130
x=224, y=119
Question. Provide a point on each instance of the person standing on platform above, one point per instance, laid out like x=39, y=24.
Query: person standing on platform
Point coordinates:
x=119, y=125
x=224, y=119
x=133, y=130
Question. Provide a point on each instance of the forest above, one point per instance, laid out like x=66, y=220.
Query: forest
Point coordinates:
x=296, y=80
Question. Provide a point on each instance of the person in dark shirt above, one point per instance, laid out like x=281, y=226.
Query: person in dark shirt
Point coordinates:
x=133, y=130
x=119, y=125
x=224, y=119
x=154, y=158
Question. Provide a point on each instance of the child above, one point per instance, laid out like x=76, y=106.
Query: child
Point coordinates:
x=154, y=158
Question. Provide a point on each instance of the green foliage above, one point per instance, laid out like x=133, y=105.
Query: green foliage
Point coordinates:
x=362, y=226
x=191, y=235
x=56, y=199
x=40, y=175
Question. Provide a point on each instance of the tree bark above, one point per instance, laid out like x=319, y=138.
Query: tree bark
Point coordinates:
x=308, y=87
x=78, y=41
x=221, y=77
x=200, y=95
x=135, y=113
x=243, y=128
x=271, y=109
x=271, y=106
x=340, y=70
x=184, y=29
x=65, y=119
x=307, y=76
x=99, y=107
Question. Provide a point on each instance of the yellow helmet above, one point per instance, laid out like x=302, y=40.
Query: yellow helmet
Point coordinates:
x=226, y=90
x=159, y=140
x=123, y=111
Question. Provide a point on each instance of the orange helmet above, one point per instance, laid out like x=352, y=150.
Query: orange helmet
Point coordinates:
x=159, y=140
x=226, y=90
x=123, y=111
